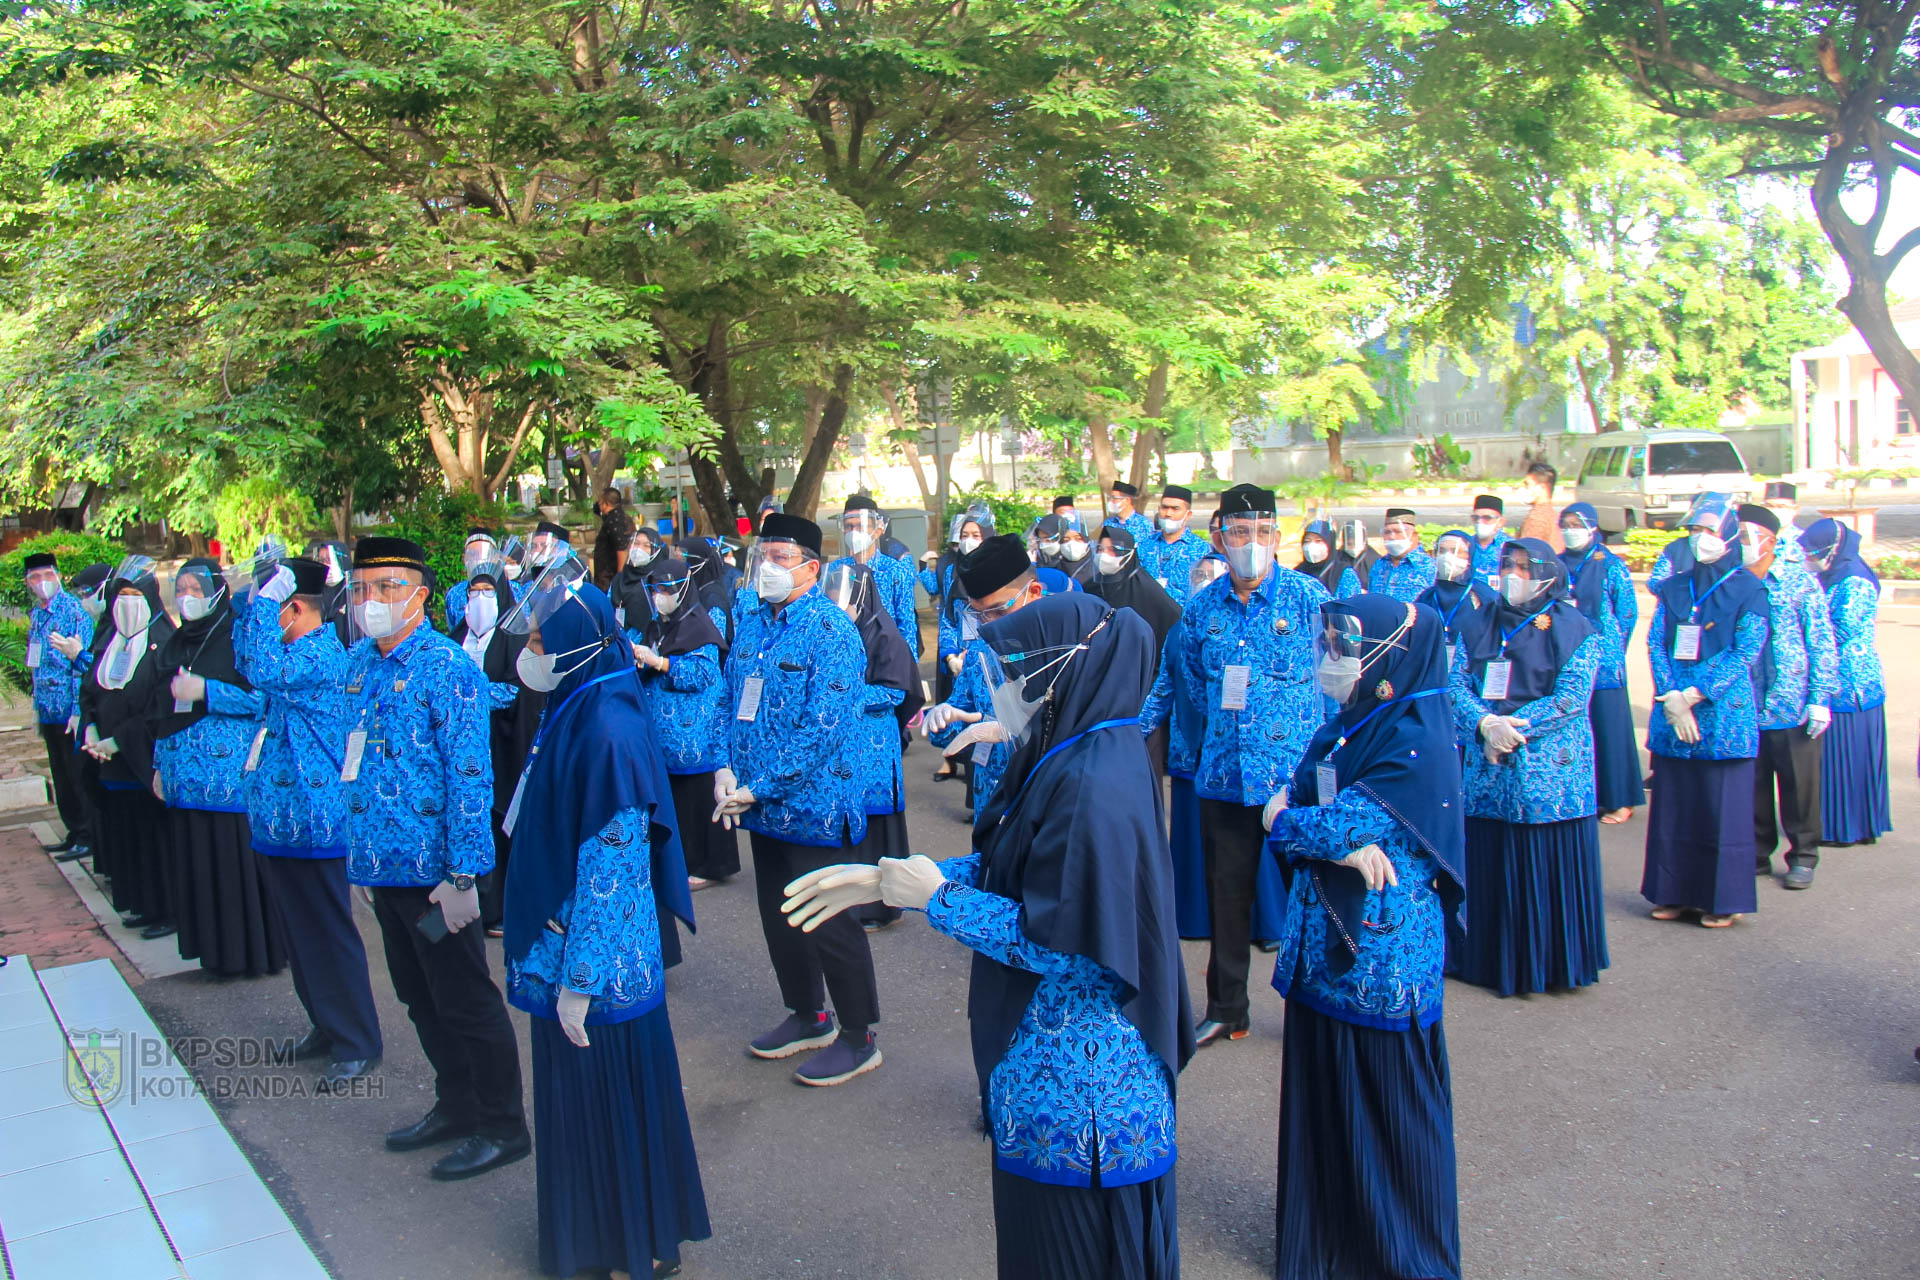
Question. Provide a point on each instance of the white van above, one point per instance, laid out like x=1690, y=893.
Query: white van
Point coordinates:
x=1649, y=478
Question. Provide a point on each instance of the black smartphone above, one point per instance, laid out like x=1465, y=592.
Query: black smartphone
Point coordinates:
x=432, y=925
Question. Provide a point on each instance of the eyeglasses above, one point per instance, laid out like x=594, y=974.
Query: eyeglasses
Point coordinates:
x=381, y=588
x=994, y=612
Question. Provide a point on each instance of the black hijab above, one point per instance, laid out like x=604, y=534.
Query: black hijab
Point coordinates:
x=1075, y=835
x=890, y=663
x=122, y=714
x=688, y=627
x=510, y=729
x=1131, y=588
x=203, y=646
x=1537, y=637
x=1327, y=572
x=709, y=573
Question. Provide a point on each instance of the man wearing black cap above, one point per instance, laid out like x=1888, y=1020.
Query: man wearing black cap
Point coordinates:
x=418, y=773
x=1489, y=537
x=861, y=529
x=1120, y=511
x=1782, y=497
x=797, y=675
x=296, y=811
x=480, y=548
x=1063, y=503
x=549, y=542
x=1404, y=571
x=59, y=642
x=1169, y=556
x=1795, y=678
x=1247, y=650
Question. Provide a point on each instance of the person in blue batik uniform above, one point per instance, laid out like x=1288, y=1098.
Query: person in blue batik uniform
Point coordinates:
x=594, y=865
x=1078, y=1000
x=58, y=633
x=1171, y=553
x=684, y=689
x=203, y=728
x=480, y=549
x=1248, y=657
x=861, y=528
x=1602, y=589
x=797, y=689
x=1123, y=509
x=1456, y=595
x=1121, y=580
x=296, y=811
x=1489, y=536
x=1854, y=804
x=1677, y=556
x=970, y=529
x=418, y=771
x=1404, y=572
x=1709, y=628
x=1370, y=830
x=1521, y=683
x=1797, y=678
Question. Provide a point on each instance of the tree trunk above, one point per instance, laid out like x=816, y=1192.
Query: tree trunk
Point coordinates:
x=898, y=414
x=1336, y=459
x=1151, y=437
x=613, y=456
x=726, y=470
x=1100, y=440
x=1865, y=303
x=813, y=466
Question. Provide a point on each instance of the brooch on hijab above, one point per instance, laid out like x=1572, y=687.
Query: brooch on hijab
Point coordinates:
x=1384, y=691
x=1543, y=622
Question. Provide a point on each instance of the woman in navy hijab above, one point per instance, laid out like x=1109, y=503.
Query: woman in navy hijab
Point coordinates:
x=1079, y=1001
x=594, y=849
x=1370, y=833
x=1854, y=806
x=1602, y=590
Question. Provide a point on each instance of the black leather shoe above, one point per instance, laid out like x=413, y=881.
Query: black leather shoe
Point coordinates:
x=161, y=930
x=315, y=1044
x=428, y=1129
x=1800, y=877
x=74, y=854
x=136, y=921
x=341, y=1074
x=1212, y=1032
x=62, y=847
x=478, y=1155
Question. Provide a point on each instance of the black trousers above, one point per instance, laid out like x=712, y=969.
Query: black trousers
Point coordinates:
x=834, y=960
x=1233, y=843
x=493, y=885
x=457, y=1011
x=1789, y=764
x=68, y=795
x=329, y=962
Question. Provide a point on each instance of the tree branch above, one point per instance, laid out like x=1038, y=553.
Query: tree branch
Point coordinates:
x=513, y=450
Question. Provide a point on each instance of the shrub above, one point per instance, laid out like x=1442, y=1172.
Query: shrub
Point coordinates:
x=248, y=510
x=439, y=523
x=13, y=654
x=1013, y=510
x=72, y=551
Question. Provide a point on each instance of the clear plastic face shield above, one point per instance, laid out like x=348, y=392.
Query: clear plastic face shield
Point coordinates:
x=670, y=585
x=1757, y=542
x=513, y=556
x=94, y=599
x=1204, y=572
x=1353, y=537
x=847, y=589
x=543, y=549
x=128, y=603
x=975, y=615
x=1111, y=559
x=384, y=600
x=196, y=592
x=483, y=597
x=257, y=568
x=1399, y=536
x=1345, y=654
x=643, y=548
x=1021, y=684
x=1710, y=523
x=777, y=567
x=1246, y=539
x=1578, y=532
x=1074, y=546
x=480, y=548
x=861, y=530
x=43, y=584
x=1452, y=559
x=1524, y=581
x=1314, y=549
x=133, y=571
x=557, y=588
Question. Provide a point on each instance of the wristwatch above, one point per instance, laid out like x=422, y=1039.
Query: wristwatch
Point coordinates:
x=460, y=882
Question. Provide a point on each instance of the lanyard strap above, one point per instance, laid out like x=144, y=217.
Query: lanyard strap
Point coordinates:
x=1056, y=749
x=1446, y=624
x=1508, y=638
x=1412, y=697
x=1696, y=599
x=547, y=721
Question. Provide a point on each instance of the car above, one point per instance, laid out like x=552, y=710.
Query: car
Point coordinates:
x=1648, y=479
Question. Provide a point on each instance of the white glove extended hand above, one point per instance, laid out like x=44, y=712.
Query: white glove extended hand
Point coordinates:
x=1373, y=864
x=1275, y=807
x=1678, y=708
x=1818, y=718
x=955, y=662
x=910, y=883
x=942, y=714
x=979, y=731
x=818, y=896
x=280, y=585
x=69, y=646
x=648, y=658
x=723, y=782
x=732, y=805
x=188, y=687
x=460, y=908
x=1502, y=735
x=571, y=1012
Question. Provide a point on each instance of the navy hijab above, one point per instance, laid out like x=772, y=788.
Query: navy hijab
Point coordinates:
x=1457, y=612
x=689, y=627
x=1400, y=752
x=1075, y=833
x=1131, y=588
x=1723, y=590
x=595, y=756
x=1821, y=537
x=1327, y=572
x=1587, y=570
x=890, y=663
x=1537, y=651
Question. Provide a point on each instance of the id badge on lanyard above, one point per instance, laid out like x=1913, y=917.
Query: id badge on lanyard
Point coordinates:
x=749, y=698
x=1234, y=681
x=1499, y=676
x=1686, y=642
x=1326, y=780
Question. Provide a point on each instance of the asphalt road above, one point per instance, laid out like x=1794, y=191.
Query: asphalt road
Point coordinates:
x=1742, y=1103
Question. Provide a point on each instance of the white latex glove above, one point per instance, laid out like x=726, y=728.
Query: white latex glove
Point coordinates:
x=930, y=557
x=955, y=662
x=910, y=883
x=727, y=812
x=648, y=658
x=940, y=715
x=571, y=1011
x=1502, y=735
x=188, y=687
x=460, y=909
x=818, y=896
x=159, y=788
x=979, y=731
x=280, y=585
x=1818, y=718
x=1679, y=712
x=69, y=646
x=1373, y=864
x=103, y=749
x=1275, y=807
x=723, y=782
x=73, y=724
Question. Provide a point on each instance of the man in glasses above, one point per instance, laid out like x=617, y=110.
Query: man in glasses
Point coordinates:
x=418, y=774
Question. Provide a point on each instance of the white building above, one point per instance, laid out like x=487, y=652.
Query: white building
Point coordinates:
x=1847, y=414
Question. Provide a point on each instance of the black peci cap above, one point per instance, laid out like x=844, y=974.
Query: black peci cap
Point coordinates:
x=1121, y=486
x=1247, y=499
x=993, y=564
x=558, y=531
x=400, y=553
x=309, y=576
x=1751, y=514
x=39, y=560
x=778, y=524
x=1064, y=500
x=1487, y=502
x=1178, y=492
x=1399, y=513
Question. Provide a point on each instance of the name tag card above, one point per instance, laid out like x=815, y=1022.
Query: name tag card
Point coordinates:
x=620, y=617
x=1233, y=687
x=1327, y=780
x=356, y=747
x=181, y=706
x=513, y=805
x=33, y=654
x=1686, y=643
x=749, y=698
x=1499, y=676
x=982, y=752
x=253, y=752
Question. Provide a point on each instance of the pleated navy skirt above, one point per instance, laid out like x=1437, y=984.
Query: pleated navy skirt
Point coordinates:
x=134, y=840
x=616, y=1181
x=1535, y=919
x=1367, y=1187
x=1700, y=850
x=1047, y=1232
x=1854, y=804
x=219, y=896
x=1616, y=752
x=1190, y=910
x=712, y=852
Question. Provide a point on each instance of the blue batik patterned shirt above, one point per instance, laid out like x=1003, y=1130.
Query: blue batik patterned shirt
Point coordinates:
x=1619, y=610
x=687, y=706
x=421, y=806
x=894, y=580
x=1172, y=701
x=1486, y=560
x=970, y=694
x=203, y=765
x=1728, y=719
x=1078, y=1089
x=456, y=606
x=1800, y=667
x=56, y=678
x=605, y=940
x=1550, y=777
x=1171, y=563
x=1853, y=605
x=296, y=803
x=1405, y=580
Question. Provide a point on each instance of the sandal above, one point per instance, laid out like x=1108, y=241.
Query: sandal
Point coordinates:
x=1719, y=921
x=1668, y=912
x=1617, y=817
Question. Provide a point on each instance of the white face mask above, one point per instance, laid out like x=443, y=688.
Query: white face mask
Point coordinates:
x=1337, y=676
x=1073, y=551
x=1708, y=547
x=536, y=670
x=856, y=541
x=1010, y=705
x=1487, y=528
x=1107, y=563
x=1172, y=527
x=967, y=545
x=379, y=619
x=43, y=588
x=1048, y=548
x=95, y=606
x=131, y=615
x=1754, y=546
x=513, y=573
x=483, y=610
x=665, y=602
x=1250, y=562
x=1520, y=591
x=643, y=553
x=1113, y=506
x=1315, y=552
x=1397, y=547
x=774, y=583
x=194, y=608
x=1451, y=567
x=1577, y=539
